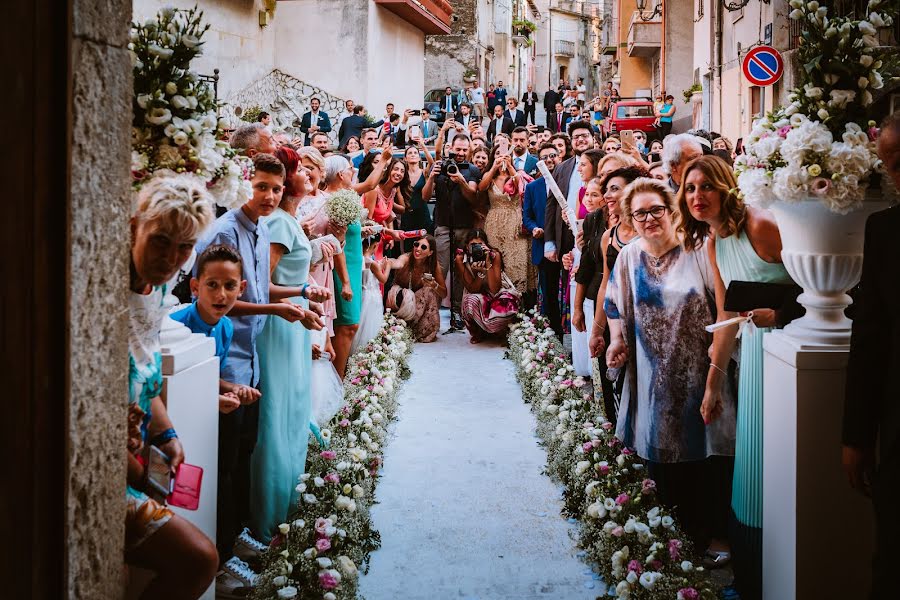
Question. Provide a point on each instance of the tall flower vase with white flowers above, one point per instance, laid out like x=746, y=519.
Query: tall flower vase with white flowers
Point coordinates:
x=814, y=163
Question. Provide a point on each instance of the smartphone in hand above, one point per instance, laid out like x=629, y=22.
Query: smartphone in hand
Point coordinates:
x=158, y=484
x=627, y=137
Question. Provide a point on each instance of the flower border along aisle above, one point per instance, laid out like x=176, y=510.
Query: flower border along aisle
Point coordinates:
x=641, y=552
x=317, y=553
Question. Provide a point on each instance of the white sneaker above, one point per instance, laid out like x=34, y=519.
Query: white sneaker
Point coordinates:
x=247, y=548
x=236, y=580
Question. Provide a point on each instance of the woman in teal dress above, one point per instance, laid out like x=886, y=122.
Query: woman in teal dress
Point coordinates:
x=348, y=301
x=744, y=245
x=285, y=361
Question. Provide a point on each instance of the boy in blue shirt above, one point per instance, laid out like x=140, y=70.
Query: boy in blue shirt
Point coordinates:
x=216, y=288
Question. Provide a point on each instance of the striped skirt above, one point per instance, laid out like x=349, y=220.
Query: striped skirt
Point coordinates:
x=483, y=313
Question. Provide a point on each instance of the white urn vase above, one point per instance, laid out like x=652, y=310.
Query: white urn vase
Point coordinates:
x=823, y=252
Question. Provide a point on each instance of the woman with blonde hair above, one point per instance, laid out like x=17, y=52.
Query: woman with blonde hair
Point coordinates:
x=658, y=300
x=171, y=214
x=743, y=244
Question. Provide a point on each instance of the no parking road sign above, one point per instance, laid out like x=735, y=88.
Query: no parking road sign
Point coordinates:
x=763, y=66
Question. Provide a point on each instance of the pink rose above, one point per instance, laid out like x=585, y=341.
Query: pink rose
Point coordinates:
x=588, y=425
x=612, y=443
x=603, y=469
x=622, y=499
x=587, y=447
x=618, y=531
x=321, y=525
x=820, y=186
x=332, y=478
x=356, y=381
x=648, y=486
x=327, y=580
x=323, y=544
x=688, y=593
x=364, y=372
x=607, y=426
x=596, y=443
x=328, y=454
x=784, y=131
x=635, y=566
x=627, y=451
x=344, y=423
x=674, y=548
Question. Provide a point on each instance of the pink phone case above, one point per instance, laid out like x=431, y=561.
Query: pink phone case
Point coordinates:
x=186, y=491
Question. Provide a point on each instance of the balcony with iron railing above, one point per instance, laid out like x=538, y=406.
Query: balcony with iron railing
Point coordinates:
x=644, y=35
x=564, y=48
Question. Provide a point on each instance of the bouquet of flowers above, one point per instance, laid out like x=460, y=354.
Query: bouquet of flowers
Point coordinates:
x=344, y=207
x=822, y=144
x=175, y=126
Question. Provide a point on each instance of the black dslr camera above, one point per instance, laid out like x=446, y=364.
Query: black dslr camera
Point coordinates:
x=478, y=253
x=451, y=167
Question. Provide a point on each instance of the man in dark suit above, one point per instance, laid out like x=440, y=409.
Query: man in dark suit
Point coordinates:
x=501, y=93
x=515, y=115
x=464, y=115
x=559, y=120
x=522, y=160
x=534, y=205
x=871, y=410
x=558, y=238
x=551, y=97
x=499, y=124
x=449, y=103
x=529, y=104
x=314, y=121
x=353, y=125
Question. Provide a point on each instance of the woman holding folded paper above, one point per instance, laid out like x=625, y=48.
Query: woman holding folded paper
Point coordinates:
x=659, y=298
x=743, y=244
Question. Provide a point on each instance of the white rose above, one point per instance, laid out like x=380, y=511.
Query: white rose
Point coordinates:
x=822, y=114
x=876, y=20
x=668, y=522
x=796, y=3
x=318, y=482
x=288, y=592
x=840, y=98
x=347, y=567
x=358, y=491
x=582, y=466
x=648, y=579
x=876, y=80
x=324, y=562
x=180, y=138
x=158, y=116
x=309, y=499
x=305, y=477
x=329, y=596
x=866, y=98
x=867, y=29
x=284, y=528
x=622, y=590
x=796, y=14
x=687, y=566
x=144, y=99
x=632, y=577
x=171, y=88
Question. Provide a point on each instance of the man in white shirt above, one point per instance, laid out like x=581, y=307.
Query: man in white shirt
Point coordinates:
x=581, y=90
x=476, y=95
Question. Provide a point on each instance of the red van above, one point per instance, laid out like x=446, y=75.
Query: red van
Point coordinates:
x=634, y=114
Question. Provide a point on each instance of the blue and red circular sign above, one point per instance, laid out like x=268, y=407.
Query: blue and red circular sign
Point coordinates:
x=763, y=65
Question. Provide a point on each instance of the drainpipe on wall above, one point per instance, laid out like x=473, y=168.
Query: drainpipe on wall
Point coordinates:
x=718, y=58
x=662, y=47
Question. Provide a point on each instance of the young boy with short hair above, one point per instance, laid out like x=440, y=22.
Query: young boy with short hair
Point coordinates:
x=216, y=288
x=242, y=229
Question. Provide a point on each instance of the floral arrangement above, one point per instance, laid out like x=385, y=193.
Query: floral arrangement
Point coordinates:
x=344, y=207
x=636, y=543
x=175, y=125
x=327, y=540
x=822, y=144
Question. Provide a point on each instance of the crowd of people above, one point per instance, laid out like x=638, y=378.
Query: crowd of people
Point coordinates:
x=627, y=244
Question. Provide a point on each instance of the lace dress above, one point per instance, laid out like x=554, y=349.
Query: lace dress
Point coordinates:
x=503, y=226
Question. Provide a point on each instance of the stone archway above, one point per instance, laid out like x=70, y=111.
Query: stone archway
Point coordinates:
x=67, y=158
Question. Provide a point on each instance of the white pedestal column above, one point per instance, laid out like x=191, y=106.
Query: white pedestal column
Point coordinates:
x=817, y=532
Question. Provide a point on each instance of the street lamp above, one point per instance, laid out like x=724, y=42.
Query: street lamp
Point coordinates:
x=642, y=6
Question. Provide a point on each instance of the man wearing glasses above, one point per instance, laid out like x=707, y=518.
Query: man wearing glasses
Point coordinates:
x=515, y=115
x=534, y=206
x=558, y=238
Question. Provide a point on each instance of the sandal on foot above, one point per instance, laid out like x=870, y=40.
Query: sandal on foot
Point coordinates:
x=716, y=559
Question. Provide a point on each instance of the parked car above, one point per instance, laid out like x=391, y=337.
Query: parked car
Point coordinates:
x=630, y=113
x=433, y=103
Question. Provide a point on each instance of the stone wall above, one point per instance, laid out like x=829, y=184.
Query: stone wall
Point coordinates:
x=286, y=98
x=448, y=56
x=98, y=281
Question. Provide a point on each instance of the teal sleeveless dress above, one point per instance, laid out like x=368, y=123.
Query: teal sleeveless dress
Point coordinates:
x=285, y=362
x=738, y=261
x=348, y=312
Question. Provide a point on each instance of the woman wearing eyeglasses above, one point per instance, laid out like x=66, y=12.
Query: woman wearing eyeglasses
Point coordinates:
x=659, y=298
x=418, y=289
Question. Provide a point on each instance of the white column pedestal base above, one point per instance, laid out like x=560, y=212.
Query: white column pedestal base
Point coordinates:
x=817, y=532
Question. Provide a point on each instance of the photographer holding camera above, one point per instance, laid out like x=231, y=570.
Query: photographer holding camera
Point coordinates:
x=454, y=182
x=491, y=301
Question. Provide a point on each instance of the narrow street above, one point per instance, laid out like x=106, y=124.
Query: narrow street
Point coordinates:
x=464, y=509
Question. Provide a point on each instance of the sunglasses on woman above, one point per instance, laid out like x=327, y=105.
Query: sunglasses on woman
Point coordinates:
x=656, y=212
x=422, y=246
